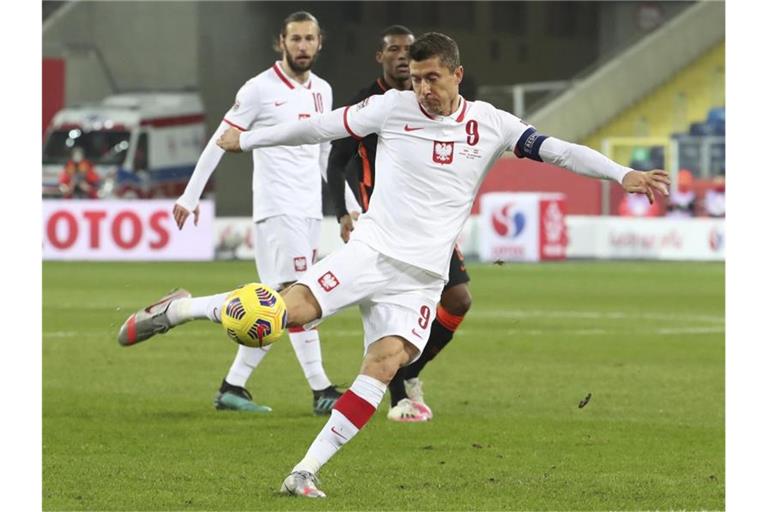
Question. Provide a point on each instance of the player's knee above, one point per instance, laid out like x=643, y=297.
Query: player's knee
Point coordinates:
x=284, y=286
x=457, y=300
x=301, y=305
x=385, y=357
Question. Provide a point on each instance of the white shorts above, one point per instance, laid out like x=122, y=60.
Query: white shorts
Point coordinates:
x=285, y=247
x=395, y=298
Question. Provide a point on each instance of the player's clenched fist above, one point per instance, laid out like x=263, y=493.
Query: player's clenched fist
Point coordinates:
x=230, y=141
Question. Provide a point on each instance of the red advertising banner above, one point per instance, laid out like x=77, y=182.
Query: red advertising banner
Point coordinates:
x=553, y=238
x=521, y=227
x=123, y=230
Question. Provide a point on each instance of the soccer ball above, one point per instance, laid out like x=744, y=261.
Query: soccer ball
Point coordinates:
x=254, y=315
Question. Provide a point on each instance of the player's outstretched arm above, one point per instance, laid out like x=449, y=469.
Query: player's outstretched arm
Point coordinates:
x=322, y=128
x=588, y=162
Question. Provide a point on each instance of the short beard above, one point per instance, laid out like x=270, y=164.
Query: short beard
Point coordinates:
x=295, y=67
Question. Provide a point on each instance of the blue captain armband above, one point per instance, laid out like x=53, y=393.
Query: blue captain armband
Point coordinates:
x=529, y=143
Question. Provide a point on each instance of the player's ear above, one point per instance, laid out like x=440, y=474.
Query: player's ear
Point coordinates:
x=379, y=56
x=459, y=74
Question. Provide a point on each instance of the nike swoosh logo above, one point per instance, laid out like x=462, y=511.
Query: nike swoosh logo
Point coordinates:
x=413, y=331
x=333, y=429
x=148, y=308
x=280, y=103
x=412, y=129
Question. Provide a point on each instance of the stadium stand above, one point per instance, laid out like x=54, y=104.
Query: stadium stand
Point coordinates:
x=690, y=104
x=605, y=93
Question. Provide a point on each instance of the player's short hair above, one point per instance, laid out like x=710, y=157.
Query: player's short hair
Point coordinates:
x=297, y=17
x=435, y=44
x=393, y=30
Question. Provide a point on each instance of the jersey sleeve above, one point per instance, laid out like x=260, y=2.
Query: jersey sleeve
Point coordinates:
x=368, y=116
x=325, y=147
x=522, y=138
x=581, y=160
x=526, y=142
x=244, y=111
x=206, y=164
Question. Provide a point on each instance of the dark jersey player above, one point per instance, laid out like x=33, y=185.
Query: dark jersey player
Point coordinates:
x=355, y=160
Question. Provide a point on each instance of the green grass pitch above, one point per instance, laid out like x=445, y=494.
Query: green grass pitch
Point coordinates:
x=134, y=428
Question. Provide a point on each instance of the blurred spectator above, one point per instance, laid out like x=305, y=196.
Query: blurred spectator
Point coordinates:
x=682, y=202
x=714, y=200
x=637, y=205
x=78, y=179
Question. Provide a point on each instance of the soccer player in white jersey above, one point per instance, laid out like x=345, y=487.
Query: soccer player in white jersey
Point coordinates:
x=286, y=207
x=434, y=150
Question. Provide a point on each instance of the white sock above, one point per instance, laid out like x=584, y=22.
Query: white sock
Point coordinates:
x=197, y=308
x=351, y=412
x=306, y=344
x=246, y=360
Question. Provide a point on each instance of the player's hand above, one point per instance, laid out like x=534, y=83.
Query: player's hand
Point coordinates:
x=645, y=182
x=180, y=214
x=347, y=225
x=230, y=140
x=355, y=215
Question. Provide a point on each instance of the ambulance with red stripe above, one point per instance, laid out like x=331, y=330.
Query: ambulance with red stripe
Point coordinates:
x=141, y=144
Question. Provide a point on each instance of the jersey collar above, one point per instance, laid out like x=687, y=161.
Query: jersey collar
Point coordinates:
x=382, y=84
x=289, y=82
x=457, y=116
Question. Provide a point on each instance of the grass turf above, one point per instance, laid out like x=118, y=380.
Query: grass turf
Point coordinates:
x=134, y=428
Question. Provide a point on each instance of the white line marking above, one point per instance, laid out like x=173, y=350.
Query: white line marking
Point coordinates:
x=596, y=315
x=613, y=332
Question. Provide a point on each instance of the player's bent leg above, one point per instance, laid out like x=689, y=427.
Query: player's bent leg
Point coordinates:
x=150, y=320
x=306, y=345
x=457, y=300
x=455, y=303
x=353, y=410
x=303, y=308
x=386, y=356
x=174, y=309
x=301, y=305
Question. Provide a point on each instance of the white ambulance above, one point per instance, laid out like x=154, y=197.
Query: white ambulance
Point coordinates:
x=141, y=144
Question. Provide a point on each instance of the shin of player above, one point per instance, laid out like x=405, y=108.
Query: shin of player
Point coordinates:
x=396, y=330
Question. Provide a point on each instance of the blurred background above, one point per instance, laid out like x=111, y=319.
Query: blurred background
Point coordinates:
x=140, y=86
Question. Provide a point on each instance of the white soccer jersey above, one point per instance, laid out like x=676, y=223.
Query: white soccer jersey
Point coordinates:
x=286, y=179
x=428, y=168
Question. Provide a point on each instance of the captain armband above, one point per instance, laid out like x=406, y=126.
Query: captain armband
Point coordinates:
x=529, y=143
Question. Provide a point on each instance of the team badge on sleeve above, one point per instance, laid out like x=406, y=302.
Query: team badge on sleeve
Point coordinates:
x=328, y=281
x=362, y=104
x=300, y=264
x=442, y=152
